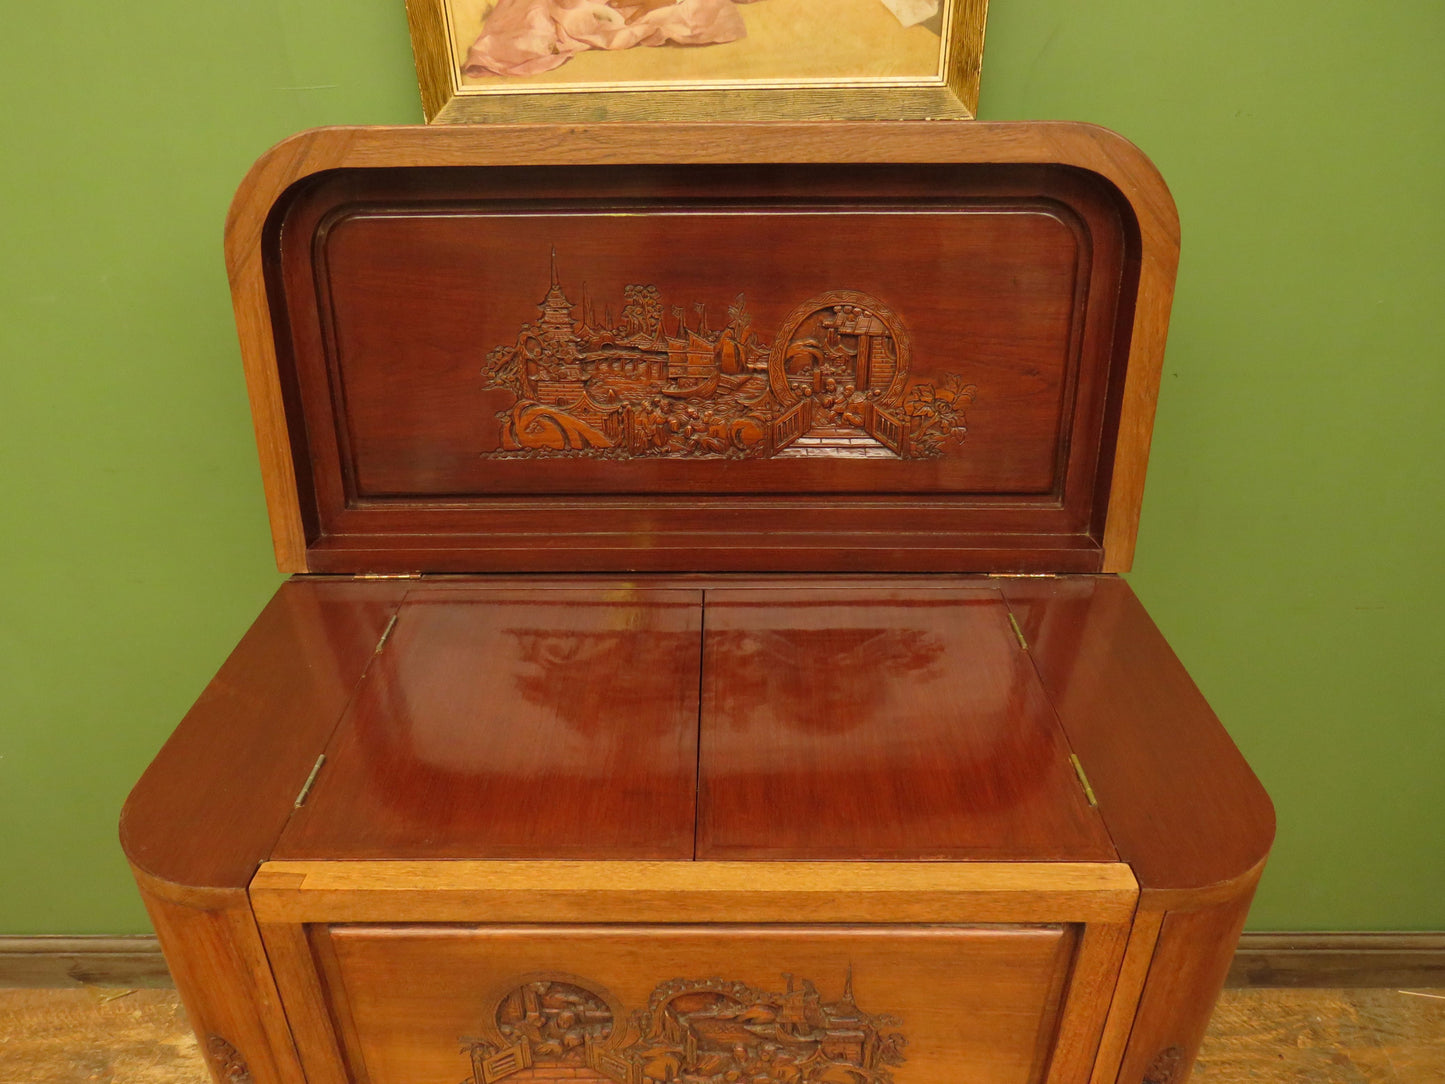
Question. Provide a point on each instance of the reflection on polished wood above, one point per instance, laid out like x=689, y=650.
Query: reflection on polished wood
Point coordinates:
x=1181, y=803
x=888, y=724
x=212, y=803
x=493, y=725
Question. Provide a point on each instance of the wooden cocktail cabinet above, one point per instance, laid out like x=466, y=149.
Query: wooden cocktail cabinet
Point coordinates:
x=705, y=660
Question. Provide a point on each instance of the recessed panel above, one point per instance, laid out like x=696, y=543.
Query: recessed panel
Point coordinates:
x=633, y=1005
x=768, y=349
x=708, y=367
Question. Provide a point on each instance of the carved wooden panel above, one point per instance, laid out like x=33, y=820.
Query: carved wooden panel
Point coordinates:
x=502, y=362
x=1166, y=1068
x=226, y=1061
x=704, y=1030
x=833, y=383
x=700, y=1005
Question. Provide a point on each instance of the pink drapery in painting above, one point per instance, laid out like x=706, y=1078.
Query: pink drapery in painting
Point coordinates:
x=525, y=37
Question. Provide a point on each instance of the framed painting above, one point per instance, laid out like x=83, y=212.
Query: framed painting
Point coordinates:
x=595, y=60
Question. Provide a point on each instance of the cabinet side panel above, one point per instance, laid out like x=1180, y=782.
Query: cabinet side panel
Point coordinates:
x=219, y=965
x=1190, y=963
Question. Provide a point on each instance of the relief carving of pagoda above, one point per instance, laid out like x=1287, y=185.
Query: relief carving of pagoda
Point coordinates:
x=834, y=383
x=565, y=1030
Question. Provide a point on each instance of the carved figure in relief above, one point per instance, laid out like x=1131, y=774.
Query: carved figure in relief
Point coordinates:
x=708, y=1031
x=834, y=384
x=1165, y=1067
x=229, y=1065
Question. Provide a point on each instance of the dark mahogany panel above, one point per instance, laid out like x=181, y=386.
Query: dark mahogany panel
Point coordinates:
x=523, y=724
x=211, y=804
x=677, y=342
x=671, y=367
x=890, y=724
x=1181, y=803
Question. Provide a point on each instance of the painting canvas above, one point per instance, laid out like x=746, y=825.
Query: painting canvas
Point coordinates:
x=492, y=60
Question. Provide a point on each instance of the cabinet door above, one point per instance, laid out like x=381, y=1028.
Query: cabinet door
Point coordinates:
x=694, y=1004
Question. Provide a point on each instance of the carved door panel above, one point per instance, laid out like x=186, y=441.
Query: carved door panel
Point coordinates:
x=698, y=1005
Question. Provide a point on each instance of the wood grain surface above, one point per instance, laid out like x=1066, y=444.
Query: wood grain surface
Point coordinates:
x=225, y=980
x=972, y=1003
x=214, y=800
x=887, y=724
x=1191, y=958
x=660, y=892
x=993, y=293
x=1092, y=175
x=558, y=724
x=1181, y=804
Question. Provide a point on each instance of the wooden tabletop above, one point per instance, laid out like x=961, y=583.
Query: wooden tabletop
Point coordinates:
x=805, y=718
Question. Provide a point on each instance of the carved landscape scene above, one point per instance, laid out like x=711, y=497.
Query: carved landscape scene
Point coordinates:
x=675, y=381
x=709, y=1031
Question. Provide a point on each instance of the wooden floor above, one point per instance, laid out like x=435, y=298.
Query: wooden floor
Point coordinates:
x=93, y=1034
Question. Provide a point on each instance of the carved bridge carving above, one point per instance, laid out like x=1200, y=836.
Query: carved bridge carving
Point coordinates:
x=833, y=384
x=565, y=1030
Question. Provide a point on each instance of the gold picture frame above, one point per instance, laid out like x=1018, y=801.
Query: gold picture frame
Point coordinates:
x=867, y=63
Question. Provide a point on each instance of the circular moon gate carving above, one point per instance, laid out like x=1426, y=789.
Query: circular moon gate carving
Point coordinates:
x=557, y=1020
x=844, y=338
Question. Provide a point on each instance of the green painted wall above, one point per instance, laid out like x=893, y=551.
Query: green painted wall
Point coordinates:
x=1289, y=544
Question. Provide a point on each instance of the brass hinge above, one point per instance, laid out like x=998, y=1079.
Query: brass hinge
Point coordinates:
x=1083, y=779
x=386, y=634
x=387, y=576
x=1023, y=575
x=310, y=780
x=1018, y=632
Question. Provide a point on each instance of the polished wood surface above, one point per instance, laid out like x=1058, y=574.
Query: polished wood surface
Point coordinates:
x=1086, y=1002
x=1186, y=974
x=1123, y=997
x=1181, y=804
x=1058, y=166
x=599, y=891
x=225, y=980
x=211, y=805
x=923, y=352
x=559, y=724
x=310, y=1006
x=881, y=724
x=968, y=1003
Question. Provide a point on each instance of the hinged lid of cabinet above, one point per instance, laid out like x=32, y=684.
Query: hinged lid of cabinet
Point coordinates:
x=881, y=347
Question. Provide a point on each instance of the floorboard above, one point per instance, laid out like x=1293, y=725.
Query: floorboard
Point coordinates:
x=97, y=1035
